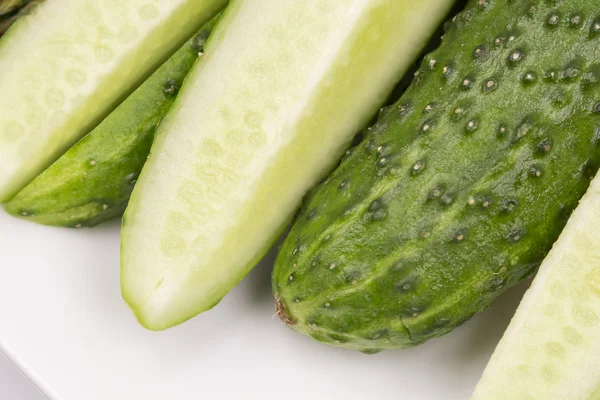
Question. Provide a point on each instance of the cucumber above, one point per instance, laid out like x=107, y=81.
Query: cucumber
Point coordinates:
x=11, y=10
x=459, y=190
x=91, y=183
x=10, y=6
x=66, y=65
x=551, y=348
x=276, y=99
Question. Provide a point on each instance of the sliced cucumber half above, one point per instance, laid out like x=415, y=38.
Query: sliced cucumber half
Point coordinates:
x=69, y=63
x=279, y=94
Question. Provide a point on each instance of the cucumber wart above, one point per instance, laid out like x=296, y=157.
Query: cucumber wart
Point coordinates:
x=92, y=182
x=460, y=189
x=262, y=117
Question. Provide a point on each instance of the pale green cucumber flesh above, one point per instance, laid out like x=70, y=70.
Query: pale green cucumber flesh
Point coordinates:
x=551, y=348
x=62, y=75
x=269, y=109
x=91, y=183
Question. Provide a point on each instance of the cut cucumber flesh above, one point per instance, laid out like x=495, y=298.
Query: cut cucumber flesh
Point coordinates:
x=551, y=348
x=69, y=63
x=275, y=101
x=91, y=183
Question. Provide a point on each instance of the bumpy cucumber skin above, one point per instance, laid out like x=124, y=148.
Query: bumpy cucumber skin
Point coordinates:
x=93, y=181
x=459, y=190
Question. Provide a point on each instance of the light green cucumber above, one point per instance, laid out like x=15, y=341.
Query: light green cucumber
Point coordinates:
x=92, y=182
x=67, y=64
x=277, y=98
x=551, y=348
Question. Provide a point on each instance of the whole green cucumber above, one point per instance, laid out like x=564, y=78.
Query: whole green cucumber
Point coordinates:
x=460, y=189
x=91, y=183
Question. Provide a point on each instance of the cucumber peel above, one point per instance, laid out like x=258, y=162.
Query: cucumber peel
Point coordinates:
x=459, y=190
x=91, y=183
x=276, y=99
x=551, y=348
x=67, y=64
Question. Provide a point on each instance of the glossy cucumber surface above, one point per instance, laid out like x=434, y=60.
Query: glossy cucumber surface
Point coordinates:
x=460, y=189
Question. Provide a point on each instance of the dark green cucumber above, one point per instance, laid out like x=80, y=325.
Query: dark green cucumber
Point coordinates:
x=91, y=183
x=460, y=189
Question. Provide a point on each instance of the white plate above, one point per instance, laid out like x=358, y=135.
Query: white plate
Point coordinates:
x=62, y=321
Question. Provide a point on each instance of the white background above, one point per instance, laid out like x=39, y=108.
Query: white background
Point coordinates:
x=63, y=319
x=13, y=385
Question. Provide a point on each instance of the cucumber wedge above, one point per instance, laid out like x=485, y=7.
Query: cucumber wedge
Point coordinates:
x=91, y=183
x=69, y=63
x=281, y=90
x=551, y=348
